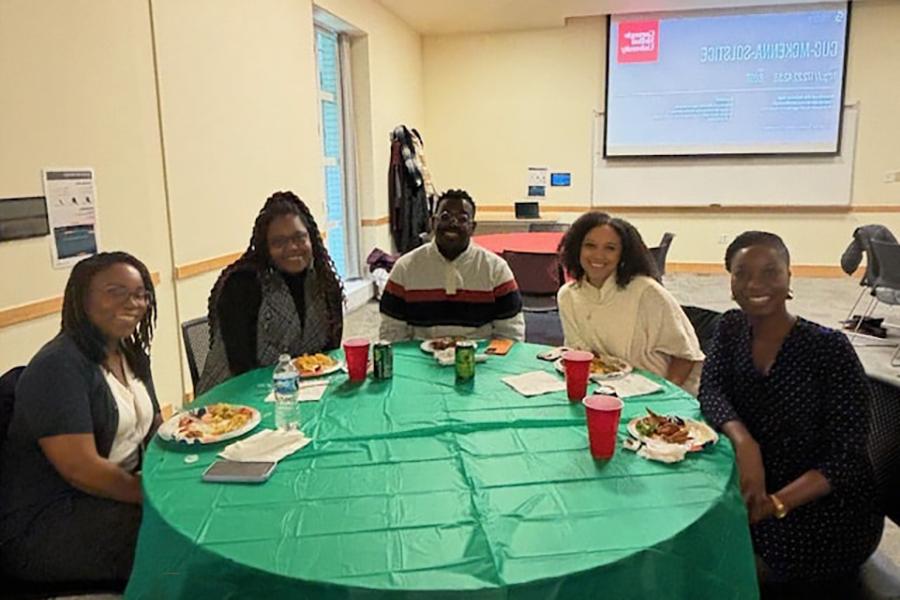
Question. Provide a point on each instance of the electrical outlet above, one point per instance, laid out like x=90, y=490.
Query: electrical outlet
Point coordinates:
x=723, y=239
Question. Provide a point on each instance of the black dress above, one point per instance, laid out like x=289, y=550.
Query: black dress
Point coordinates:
x=809, y=412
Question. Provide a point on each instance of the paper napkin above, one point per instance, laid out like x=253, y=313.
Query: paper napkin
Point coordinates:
x=309, y=391
x=535, y=383
x=269, y=445
x=633, y=385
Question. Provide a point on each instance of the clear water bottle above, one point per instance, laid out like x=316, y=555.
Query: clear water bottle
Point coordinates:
x=286, y=383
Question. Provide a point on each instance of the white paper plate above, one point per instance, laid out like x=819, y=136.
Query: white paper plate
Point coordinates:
x=169, y=430
x=701, y=434
x=337, y=366
x=624, y=368
x=427, y=346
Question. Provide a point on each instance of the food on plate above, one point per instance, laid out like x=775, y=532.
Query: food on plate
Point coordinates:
x=212, y=420
x=445, y=342
x=669, y=429
x=604, y=365
x=310, y=364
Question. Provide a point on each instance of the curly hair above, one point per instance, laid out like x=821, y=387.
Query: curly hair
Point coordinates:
x=87, y=336
x=756, y=238
x=636, y=258
x=458, y=195
x=256, y=258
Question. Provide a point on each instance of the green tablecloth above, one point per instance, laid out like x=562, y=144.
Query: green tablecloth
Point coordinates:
x=415, y=487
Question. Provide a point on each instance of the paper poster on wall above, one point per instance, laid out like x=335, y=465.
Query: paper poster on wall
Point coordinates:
x=71, y=209
x=537, y=181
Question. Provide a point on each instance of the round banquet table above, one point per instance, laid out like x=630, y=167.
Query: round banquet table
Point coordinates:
x=540, y=242
x=418, y=488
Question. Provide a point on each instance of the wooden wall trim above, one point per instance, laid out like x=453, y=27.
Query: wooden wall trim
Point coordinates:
x=705, y=210
x=876, y=208
x=200, y=267
x=375, y=222
x=816, y=271
x=40, y=308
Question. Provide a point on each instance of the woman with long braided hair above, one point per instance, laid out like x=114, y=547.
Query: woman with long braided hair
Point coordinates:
x=85, y=409
x=283, y=295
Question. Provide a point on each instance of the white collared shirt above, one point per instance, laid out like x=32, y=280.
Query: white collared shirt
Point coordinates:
x=135, y=417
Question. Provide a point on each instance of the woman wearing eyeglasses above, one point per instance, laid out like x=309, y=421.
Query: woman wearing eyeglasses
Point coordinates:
x=85, y=408
x=283, y=295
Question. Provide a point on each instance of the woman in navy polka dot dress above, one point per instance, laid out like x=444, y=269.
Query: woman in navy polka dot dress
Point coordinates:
x=793, y=398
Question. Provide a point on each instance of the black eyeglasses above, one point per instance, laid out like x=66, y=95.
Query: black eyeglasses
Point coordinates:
x=282, y=242
x=448, y=217
x=121, y=295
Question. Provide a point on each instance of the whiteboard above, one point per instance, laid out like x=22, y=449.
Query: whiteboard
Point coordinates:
x=726, y=181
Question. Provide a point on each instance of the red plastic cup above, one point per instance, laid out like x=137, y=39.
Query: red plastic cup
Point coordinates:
x=577, y=364
x=603, y=413
x=356, y=352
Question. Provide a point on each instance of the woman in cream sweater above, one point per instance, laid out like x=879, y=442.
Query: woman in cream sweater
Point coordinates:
x=615, y=305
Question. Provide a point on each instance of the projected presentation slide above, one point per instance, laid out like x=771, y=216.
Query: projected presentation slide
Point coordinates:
x=758, y=82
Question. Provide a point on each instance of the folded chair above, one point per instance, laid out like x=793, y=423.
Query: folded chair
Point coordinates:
x=860, y=246
x=885, y=285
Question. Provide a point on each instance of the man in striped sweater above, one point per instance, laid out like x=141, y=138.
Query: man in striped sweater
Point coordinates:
x=451, y=287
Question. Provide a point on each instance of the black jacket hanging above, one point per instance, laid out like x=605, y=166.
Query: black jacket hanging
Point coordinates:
x=407, y=196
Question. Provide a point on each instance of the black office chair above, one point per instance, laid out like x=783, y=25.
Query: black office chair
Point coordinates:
x=539, y=276
x=7, y=398
x=879, y=577
x=532, y=227
x=196, y=345
x=659, y=252
x=705, y=322
x=543, y=328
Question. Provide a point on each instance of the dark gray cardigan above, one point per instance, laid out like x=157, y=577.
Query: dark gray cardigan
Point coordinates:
x=60, y=392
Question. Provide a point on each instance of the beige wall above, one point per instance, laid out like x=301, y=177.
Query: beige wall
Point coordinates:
x=498, y=103
x=237, y=119
x=531, y=103
x=78, y=90
x=239, y=116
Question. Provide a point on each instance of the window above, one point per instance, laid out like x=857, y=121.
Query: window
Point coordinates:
x=340, y=199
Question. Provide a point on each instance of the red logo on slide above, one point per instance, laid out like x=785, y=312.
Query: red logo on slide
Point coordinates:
x=638, y=41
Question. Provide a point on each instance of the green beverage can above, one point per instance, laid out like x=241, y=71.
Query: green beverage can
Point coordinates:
x=465, y=360
x=382, y=360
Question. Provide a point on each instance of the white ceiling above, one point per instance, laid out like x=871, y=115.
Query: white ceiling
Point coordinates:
x=434, y=17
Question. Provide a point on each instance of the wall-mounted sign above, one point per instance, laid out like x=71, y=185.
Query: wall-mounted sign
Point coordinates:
x=537, y=181
x=23, y=218
x=560, y=179
x=72, y=211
